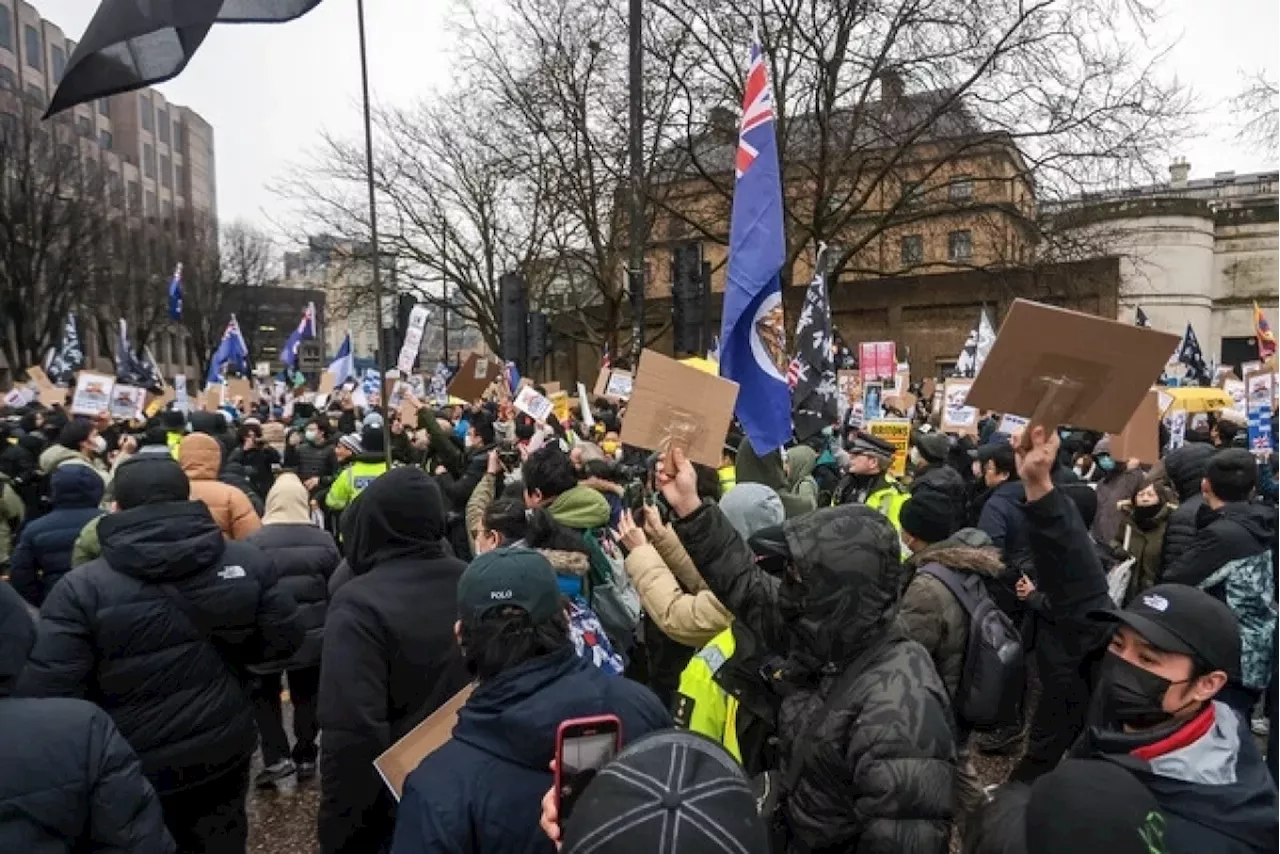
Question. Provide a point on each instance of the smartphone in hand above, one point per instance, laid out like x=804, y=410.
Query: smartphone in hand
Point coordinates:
x=583, y=747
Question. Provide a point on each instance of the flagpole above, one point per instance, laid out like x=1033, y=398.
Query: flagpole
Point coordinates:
x=373, y=234
x=635, y=154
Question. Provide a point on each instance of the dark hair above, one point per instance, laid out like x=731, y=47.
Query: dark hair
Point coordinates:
x=1227, y=430
x=548, y=471
x=708, y=482
x=506, y=637
x=1232, y=474
x=157, y=435
x=1004, y=460
x=247, y=430
x=524, y=430
x=74, y=434
x=506, y=517
x=999, y=826
x=483, y=427
x=603, y=469
x=321, y=423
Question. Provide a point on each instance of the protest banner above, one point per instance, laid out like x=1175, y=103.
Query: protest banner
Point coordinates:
x=533, y=404
x=896, y=432
x=614, y=383
x=1260, y=391
x=957, y=415
x=474, y=378
x=872, y=400
x=93, y=393
x=127, y=402
x=584, y=406
x=559, y=405
x=412, y=339
x=46, y=392
x=676, y=405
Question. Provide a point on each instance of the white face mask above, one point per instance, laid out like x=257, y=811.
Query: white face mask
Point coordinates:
x=99, y=445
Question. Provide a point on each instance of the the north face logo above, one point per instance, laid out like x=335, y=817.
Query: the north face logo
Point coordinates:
x=1155, y=602
x=229, y=572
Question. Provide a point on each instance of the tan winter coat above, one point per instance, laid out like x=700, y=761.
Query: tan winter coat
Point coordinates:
x=200, y=456
x=933, y=617
x=674, y=595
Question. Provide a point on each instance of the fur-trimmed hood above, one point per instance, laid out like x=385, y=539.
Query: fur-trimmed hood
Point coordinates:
x=984, y=560
x=567, y=562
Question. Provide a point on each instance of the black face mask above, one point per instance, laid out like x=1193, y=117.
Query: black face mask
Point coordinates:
x=1133, y=696
x=1145, y=517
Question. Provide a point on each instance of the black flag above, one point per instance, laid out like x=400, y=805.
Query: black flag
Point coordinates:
x=1189, y=355
x=130, y=44
x=813, y=370
x=1140, y=318
x=68, y=357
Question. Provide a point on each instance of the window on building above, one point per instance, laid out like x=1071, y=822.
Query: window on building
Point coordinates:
x=182, y=229
x=179, y=135
x=6, y=28
x=149, y=160
x=8, y=80
x=32, y=47
x=35, y=93
x=960, y=189
x=960, y=245
x=58, y=58
x=84, y=126
x=166, y=171
x=162, y=120
x=104, y=107
x=166, y=211
x=173, y=354
x=115, y=185
x=148, y=115
x=190, y=350
x=150, y=208
x=912, y=193
x=135, y=197
x=9, y=127
x=912, y=249
x=104, y=140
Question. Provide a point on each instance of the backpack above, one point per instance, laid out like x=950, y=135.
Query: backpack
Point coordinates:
x=995, y=667
x=609, y=591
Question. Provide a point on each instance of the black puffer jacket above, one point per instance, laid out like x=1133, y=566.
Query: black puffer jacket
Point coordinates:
x=881, y=761
x=304, y=557
x=316, y=461
x=71, y=782
x=390, y=657
x=43, y=553
x=1185, y=469
x=112, y=631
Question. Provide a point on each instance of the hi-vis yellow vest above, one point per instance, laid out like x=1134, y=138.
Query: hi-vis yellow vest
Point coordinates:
x=704, y=707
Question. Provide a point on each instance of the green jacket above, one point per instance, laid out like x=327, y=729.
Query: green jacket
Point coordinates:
x=87, y=547
x=353, y=479
x=768, y=470
x=11, y=512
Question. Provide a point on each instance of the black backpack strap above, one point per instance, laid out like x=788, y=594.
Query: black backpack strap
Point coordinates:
x=953, y=582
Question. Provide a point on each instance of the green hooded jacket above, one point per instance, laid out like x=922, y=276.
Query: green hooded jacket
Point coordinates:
x=582, y=508
x=768, y=470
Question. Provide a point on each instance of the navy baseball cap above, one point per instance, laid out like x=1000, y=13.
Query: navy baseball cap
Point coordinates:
x=516, y=578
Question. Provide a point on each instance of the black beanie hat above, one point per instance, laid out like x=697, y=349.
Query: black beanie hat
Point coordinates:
x=371, y=439
x=1096, y=806
x=928, y=515
x=174, y=419
x=149, y=479
x=665, y=780
x=1085, y=499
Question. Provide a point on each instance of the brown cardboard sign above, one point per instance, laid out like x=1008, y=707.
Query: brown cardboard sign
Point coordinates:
x=400, y=759
x=1056, y=366
x=1140, y=438
x=238, y=387
x=614, y=383
x=212, y=398
x=474, y=378
x=551, y=389
x=675, y=404
x=46, y=392
x=957, y=415
x=328, y=382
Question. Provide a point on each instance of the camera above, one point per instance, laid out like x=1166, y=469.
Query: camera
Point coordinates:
x=509, y=456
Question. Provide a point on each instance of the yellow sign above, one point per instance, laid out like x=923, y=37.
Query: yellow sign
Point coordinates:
x=897, y=433
x=560, y=405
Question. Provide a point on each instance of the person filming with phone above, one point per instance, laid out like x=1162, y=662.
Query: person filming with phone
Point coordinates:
x=482, y=790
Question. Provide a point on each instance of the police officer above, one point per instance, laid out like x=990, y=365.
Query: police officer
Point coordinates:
x=364, y=468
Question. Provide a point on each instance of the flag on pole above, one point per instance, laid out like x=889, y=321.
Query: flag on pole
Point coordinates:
x=231, y=349
x=812, y=375
x=306, y=329
x=753, y=342
x=127, y=368
x=976, y=347
x=1189, y=355
x=151, y=375
x=1262, y=331
x=713, y=354
x=606, y=362
x=175, y=294
x=129, y=45
x=438, y=391
x=68, y=357
x=343, y=365
x=513, y=376
x=1140, y=317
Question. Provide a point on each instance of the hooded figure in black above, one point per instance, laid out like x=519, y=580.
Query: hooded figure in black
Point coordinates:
x=390, y=657
x=158, y=631
x=1184, y=468
x=71, y=782
x=861, y=707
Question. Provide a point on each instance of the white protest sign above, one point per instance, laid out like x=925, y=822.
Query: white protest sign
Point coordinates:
x=584, y=404
x=93, y=393
x=412, y=339
x=127, y=401
x=19, y=396
x=533, y=404
x=1177, y=423
x=1012, y=424
x=180, y=401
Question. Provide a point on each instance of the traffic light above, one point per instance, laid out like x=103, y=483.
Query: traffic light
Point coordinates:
x=687, y=298
x=513, y=310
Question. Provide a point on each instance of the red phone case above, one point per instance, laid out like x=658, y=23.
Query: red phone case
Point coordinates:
x=582, y=726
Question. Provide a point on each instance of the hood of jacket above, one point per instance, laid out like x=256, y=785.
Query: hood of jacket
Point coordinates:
x=287, y=502
x=200, y=456
x=753, y=468
x=956, y=554
x=567, y=562
x=1257, y=519
x=17, y=638
x=752, y=507
x=164, y=541
x=849, y=560
x=212, y=423
x=941, y=477
x=1186, y=467
x=399, y=515
x=581, y=507
x=801, y=460
x=1126, y=509
x=515, y=714
x=75, y=486
x=1217, y=782
x=55, y=455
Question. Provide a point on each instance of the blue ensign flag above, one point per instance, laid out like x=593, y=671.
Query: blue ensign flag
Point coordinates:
x=232, y=349
x=753, y=350
x=306, y=329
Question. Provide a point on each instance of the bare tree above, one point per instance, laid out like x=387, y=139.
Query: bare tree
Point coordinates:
x=1257, y=111
x=54, y=253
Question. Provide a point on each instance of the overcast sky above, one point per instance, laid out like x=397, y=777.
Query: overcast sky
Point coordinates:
x=269, y=90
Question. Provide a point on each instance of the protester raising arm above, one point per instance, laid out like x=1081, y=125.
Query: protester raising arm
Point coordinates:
x=725, y=561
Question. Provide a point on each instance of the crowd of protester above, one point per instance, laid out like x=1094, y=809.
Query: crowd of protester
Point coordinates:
x=805, y=651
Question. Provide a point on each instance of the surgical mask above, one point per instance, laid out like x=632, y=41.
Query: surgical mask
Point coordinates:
x=1131, y=695
x=312, y=435
x=1106, y=463
x=99, y=445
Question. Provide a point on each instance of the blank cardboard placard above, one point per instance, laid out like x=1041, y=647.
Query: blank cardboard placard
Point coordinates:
x=1056, y=366
x=473, y=378
x=327, y=383
x=241, y=388
x=675, y=404
x=1140, y=438
x=400, y=759
x=46, y=392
